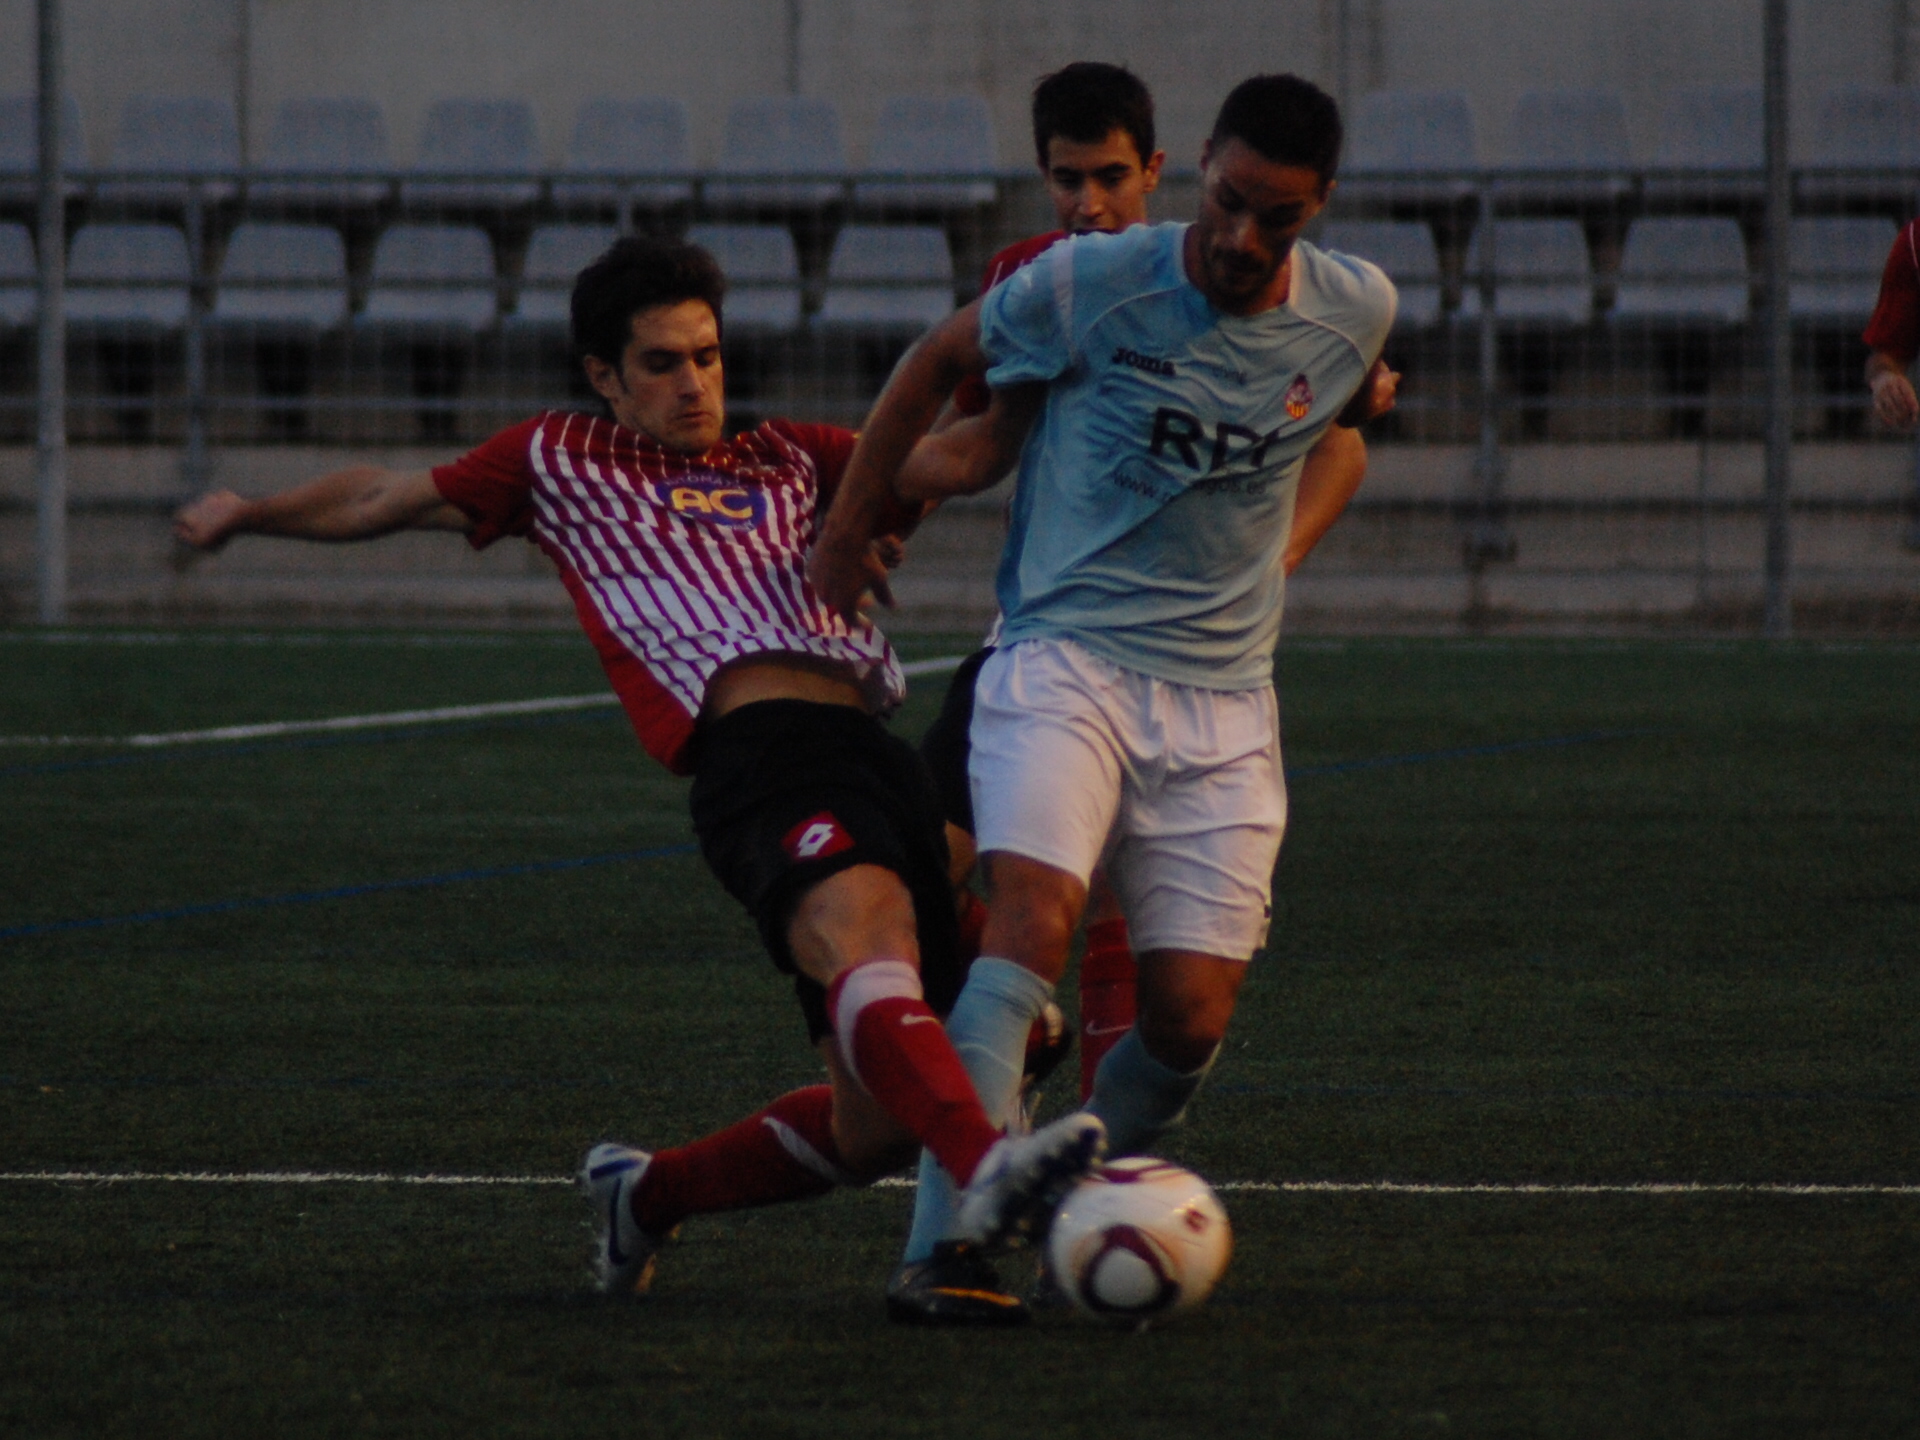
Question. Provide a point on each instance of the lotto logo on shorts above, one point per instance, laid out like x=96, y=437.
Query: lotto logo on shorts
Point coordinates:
x=817, y=838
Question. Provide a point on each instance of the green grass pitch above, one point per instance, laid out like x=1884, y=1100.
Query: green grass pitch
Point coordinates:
x=1682, y=946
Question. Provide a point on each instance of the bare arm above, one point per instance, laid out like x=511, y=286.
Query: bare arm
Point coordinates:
x=920, y=384
x=357, y=504
x=971, y=454
x=1894, y=401
x=1333, y=470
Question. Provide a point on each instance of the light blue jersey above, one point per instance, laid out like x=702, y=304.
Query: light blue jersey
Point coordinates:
x=1156, y=489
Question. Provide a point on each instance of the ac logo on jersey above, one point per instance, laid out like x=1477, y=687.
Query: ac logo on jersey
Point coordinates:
x=1299, y=397
x=816, y=838
x=713, y=498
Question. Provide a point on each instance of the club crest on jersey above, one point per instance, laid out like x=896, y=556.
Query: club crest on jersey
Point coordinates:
x=712, y=498
x=1299, y=397
x=816, y=837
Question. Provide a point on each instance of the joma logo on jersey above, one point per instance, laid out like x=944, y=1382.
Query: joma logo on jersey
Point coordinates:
x=1134, y=360
x=715, y=499
x=1175, y=432
x=816, y=837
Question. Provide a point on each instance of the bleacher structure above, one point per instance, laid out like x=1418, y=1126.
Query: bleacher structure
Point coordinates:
x=327, y=291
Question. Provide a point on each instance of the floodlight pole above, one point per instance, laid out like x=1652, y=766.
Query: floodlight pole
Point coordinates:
x=50, y=480
x=1778, y=622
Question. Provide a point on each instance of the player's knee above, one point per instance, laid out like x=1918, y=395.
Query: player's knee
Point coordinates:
x=1182, y=1031
x=1032, y=910
x=856, y=915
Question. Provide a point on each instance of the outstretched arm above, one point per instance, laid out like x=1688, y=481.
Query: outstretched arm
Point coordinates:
x=356, y=504
x=921, y=382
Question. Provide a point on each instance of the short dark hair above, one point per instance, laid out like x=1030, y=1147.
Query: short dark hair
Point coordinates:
x=1288, y=120
x=638, y=272
x=1087, y=101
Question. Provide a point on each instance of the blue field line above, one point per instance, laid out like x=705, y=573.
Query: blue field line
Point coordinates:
x=346, y=892
x=307, y=897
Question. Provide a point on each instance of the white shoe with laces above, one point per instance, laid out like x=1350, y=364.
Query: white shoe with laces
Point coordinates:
x=624, y=1254
x=1020, y=1182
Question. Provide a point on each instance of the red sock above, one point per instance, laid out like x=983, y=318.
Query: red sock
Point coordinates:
x=786, y=1152
x=973, y=924
x=900, y=1052
x=1108, y=979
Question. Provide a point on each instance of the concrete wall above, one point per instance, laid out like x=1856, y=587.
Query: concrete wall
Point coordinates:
x=405, y=53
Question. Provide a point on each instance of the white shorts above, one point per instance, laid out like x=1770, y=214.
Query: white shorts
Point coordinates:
x=1177, y=791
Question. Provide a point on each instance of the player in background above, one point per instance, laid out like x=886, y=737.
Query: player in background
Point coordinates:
x=1893, y=335
x=1093, y=138
x=1185, y=375
x=684, y=552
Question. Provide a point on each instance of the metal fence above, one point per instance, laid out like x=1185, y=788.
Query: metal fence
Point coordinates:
x=1584, y=350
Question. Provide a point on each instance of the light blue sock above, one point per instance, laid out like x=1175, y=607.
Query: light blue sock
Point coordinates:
x=988, y=1026
x=1139, y=1098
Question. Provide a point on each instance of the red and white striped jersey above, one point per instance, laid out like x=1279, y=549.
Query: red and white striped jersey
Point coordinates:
x=678, y=564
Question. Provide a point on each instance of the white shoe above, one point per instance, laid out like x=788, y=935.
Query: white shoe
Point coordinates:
x=624, y=1254
x=1020, y=1182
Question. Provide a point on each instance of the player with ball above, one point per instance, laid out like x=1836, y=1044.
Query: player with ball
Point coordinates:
x=1175, y=378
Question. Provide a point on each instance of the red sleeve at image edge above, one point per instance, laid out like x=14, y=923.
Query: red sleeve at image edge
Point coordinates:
x=1896, y=315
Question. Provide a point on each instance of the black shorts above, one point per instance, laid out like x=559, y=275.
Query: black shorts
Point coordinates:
x=789, y=792
x=945, y=747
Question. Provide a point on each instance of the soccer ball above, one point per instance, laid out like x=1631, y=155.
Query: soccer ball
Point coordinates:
x=1139, y=1240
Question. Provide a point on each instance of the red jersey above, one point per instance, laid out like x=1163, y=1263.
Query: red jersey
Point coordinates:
x=1896, y=315
x=974, y=394
x=677, y=564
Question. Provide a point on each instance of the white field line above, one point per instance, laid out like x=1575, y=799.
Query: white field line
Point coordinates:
x=1268, y=1187
x=443, y=715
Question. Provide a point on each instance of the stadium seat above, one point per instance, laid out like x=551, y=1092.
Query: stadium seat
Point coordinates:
x=324, y=136
x=777, y=137
x=279, y=279
x=1580, y=133
x=763, y=275
x=1690, y=272
x=19, y=278
x=622, y=138
x=431, y=278
x=887, y=279
x=1864, y=128
x=20, y=147
x=1542, y=274
x=475, y=138
x=1717, y=132
x=127, y=297
x=280, y=289
x=170, y=135
x=555, y=255
x=433, y=290
x=1405, y=250
x=1400, y=137
x=123, y=278
x=1836, y=267
x=925, y=135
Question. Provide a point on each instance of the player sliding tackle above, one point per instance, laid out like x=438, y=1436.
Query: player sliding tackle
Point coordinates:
x=1128, y=718
x=684, y=554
